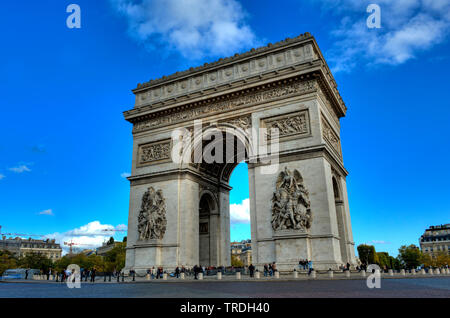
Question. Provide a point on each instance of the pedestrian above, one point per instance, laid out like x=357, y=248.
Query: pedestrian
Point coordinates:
x=177, y=272
x=270, y=270
x=266, y=270
x=26, y=274
x=153, y=272
x=274, y=267
x=251, y=269
x=195, y=271
x=310, y=267
x=348, y=266
x=93, y=275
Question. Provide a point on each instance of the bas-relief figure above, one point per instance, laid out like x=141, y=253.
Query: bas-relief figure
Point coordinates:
x=152, y=216
x=290, y=203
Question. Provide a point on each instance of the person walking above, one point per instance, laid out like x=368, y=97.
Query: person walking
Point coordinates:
x=153, y=272
x=195, y=271
x=251, y=269
x=274, y=267
x=270, y=270
x=93, y=275
x=177, y=272
x=26, y=274
x=266, y=270
x=310, y=267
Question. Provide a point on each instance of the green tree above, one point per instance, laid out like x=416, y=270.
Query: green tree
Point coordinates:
x=7, y=261
x=110, y=241
x=36, y=261
x=409, y=256
x=383, y=260
x=367, y=254
x=124, y=239
x=236, y=262
x=115, y=258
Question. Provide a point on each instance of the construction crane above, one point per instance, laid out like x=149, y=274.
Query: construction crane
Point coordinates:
x=20, y=234
x=71, y=244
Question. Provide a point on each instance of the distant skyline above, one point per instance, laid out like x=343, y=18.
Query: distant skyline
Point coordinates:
x=66, y=148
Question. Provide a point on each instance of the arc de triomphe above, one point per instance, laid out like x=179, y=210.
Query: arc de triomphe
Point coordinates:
x=179, y=211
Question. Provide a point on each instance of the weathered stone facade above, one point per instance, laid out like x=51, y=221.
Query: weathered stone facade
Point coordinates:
x=300, y=211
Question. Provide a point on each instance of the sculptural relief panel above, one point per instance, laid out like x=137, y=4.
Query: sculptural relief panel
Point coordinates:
x=152, y=215
x=289, y=125
x=291, y=207
x=331, y=137
x=155, y=152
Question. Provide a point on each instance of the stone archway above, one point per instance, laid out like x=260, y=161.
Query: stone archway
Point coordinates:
x=286, y=86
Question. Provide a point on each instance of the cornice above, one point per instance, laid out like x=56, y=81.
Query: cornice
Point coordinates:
x=223, y=61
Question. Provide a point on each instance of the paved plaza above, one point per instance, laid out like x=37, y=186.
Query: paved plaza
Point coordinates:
x=421, y=287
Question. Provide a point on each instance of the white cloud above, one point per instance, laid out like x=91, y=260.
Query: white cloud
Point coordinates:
x=380, y=242
x=195, y=28
x=20, y=169
x=125, y=175
x=408, y=27
x=88, y=236
x=46, y=212
x=2, y=176
x=240, y=213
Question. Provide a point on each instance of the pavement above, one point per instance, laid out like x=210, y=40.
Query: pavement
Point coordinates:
x=398, y=286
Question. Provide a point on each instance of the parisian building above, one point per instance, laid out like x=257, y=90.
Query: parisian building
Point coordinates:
x=21, y=247
x=436, y=239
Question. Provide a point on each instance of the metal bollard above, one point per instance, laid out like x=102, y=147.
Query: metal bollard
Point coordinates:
x=422, y=271
x=165, y=276
x=430, y=271
x=330, y=274
x=147, y=276
x=295, y=273
x=182, y=276
x=363, y=273
x=277, y=274
x=391, y=272
x=313, y=274
x=413, y=272
x=238, y=275
x=347, y=274
x=200, y=276
x=257, y=275
x=437, y=271
x=402, y=272
x=219, y=275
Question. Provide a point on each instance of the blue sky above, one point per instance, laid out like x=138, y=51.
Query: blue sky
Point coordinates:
x=65, y=147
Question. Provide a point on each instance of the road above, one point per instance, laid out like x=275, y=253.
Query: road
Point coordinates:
x=390, y=288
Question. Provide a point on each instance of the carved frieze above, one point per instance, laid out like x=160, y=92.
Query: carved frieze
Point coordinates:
x=232, y=103
x=152, y=216
x=154, y=152
x=291, y=208
x=331, y=137
x=291, y=124
x=244, y=122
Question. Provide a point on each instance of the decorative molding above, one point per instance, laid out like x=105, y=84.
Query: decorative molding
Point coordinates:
x=155, y=152
x=292, y=124
x=331, y=137
x=291, y=88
